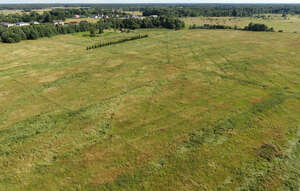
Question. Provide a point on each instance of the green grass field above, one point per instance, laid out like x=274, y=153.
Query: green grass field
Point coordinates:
x=17, y=11
x=134, y=12
x=90, y=20
x=180, y=110
x=7, y=12
x=289, y=24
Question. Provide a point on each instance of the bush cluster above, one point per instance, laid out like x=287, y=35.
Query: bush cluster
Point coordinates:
x=250, y=27
x=258, y=27
x=208, y=26
x=102, y=44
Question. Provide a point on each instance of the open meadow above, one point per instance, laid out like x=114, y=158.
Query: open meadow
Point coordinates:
x=17, y=11
x=139, y=13
x=7, y=12
x=90, y=20
x=290, y=23
x=179, y=110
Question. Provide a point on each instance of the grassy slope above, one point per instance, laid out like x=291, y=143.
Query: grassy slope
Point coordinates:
x=180, y=110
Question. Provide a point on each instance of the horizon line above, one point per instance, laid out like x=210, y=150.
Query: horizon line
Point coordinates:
x=148, y=3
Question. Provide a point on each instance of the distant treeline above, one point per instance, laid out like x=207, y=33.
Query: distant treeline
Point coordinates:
x=132, y=23
x=16, y=34
x=57, y=14
x=176, y=10
x=102, y=44
x=250, y=27
x=223, y=10
x=214, y=26
x=140, y=6
x=123, y=6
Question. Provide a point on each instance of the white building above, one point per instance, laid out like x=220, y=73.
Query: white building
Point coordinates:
x=34, y=23
x=58, y=22
x=7, y=25
x=22, y=24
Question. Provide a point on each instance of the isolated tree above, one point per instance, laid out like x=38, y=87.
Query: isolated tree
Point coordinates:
x=100, y=26
x=92, y=31
x=234, y=13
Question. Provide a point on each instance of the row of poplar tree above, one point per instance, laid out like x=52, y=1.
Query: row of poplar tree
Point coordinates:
x=103, y=44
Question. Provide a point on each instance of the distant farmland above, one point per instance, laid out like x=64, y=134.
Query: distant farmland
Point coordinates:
x=179, y=110
x=289, y=24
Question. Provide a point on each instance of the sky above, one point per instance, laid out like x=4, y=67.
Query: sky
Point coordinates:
x=149, y=1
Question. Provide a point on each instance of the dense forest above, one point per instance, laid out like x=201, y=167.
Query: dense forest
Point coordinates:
x=16, y=34
x=132, y=23
x=223, y=10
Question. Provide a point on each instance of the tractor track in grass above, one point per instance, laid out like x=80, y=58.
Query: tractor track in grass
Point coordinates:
x=168, y=50
x=44, y=97
x=257, y=178
x=59, y=105
x=254, y=110
x=219, y=129
x=77, y=112
x=83, y=109
x=159, y=130
x=242, y=81
x=168, y=135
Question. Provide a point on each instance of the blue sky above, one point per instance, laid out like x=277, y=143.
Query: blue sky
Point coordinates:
x=149, y=1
